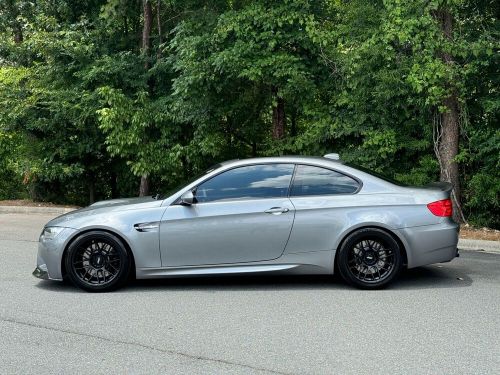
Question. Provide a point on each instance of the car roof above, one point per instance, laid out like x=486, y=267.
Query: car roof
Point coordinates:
x=281, y=159
x=314, y=160
x=371, y=182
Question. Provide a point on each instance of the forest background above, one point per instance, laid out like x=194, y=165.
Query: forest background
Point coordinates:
x=108, y=98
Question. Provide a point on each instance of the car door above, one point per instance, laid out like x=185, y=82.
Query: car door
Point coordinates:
x=240, y=215
x=323, y=200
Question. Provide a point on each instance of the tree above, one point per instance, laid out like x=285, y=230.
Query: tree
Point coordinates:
x=405, y=73
x=146, y=46
x=51, y=109
x=448, y=133
x=98, y=95
x=240, y=70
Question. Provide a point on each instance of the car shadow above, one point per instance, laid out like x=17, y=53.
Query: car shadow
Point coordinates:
x=434, y=276
x=429, y=277
x=57, y=286
x=240, y=283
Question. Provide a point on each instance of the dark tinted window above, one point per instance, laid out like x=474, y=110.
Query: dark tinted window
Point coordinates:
x=178, y=186
x=254, y=181
x=311, y=180
x=376, y=174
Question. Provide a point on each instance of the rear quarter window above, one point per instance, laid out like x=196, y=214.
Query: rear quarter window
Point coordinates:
x=312, y=180
x=376, y=174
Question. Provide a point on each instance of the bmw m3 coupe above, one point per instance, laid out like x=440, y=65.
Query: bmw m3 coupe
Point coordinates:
x=281, y=215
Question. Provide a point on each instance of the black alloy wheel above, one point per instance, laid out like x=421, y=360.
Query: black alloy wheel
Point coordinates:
x=369, y=258
x=97, y=262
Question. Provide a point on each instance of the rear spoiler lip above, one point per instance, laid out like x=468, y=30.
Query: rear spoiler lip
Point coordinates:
x=443, y=186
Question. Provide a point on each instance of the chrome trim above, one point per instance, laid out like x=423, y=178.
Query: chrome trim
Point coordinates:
x=147, y=227
x=277, y=210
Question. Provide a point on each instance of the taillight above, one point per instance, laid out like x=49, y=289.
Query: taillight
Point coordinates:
x=441, y=208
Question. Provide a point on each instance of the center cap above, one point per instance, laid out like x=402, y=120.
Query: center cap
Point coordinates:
x=370, y=257
x=97, y=260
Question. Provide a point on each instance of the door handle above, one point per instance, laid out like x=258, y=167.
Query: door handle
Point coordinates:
x=277, y=210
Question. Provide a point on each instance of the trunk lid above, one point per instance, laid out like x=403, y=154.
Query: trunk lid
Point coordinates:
x=431, y=192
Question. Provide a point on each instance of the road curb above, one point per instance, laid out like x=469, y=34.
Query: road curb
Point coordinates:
x=34, y=210
x=479, y=245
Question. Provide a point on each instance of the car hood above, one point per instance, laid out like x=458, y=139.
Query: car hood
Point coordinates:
x=105, y=207
x=124, y=202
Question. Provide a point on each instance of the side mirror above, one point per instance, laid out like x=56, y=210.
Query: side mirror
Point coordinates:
x=188, y=198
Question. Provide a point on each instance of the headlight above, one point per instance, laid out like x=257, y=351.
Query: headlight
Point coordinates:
x=49, y=233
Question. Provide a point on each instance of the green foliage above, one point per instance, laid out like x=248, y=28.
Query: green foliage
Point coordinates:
x=9, y=147
x=84, y=113
x=232, y=68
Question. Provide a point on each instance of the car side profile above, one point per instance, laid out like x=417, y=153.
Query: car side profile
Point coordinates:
x=280, y=215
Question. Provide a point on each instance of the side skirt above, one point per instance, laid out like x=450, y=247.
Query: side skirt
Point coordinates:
x=312, y=263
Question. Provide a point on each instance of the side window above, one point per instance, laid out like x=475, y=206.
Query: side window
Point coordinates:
x=253, y=181
x=311, y=180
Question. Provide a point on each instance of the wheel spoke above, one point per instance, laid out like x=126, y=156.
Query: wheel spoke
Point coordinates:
x=96, y=262
x=87, y=270
x=370, y=260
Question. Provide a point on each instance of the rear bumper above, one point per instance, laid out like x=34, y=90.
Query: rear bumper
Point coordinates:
x=430, y=244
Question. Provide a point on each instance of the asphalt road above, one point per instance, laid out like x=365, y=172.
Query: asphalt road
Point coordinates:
x=440, y=319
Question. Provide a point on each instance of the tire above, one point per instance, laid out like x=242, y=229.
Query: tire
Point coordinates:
x=369, y=258
x=97, y=262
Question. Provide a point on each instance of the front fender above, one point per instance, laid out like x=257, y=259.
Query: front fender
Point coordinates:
x=143, y=244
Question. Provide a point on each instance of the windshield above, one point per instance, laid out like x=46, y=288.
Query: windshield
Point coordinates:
x=376, y=174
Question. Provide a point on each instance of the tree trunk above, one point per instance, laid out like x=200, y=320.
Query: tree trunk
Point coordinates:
x=145, y=47
x=12, y=9
x=279, y=119
x=450, y=125
x=18, y=34
x=448, y=150
x=158, y=24
x=293, y=125
x=91, y=189
x=144, y=187
x=113, y=184
x=146, y=30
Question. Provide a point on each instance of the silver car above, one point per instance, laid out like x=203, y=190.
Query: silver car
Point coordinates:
x=287, y=215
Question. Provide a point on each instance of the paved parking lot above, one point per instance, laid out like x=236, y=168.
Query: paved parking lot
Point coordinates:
x=440, y=319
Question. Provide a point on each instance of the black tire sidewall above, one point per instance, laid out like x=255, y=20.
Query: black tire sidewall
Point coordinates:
x=354, y=238
x=114, y=241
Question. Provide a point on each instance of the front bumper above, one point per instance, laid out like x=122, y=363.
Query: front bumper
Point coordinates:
x=49, y=257
x=41, y=272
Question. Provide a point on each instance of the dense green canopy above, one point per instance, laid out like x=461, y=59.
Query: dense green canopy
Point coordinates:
x=98, y=95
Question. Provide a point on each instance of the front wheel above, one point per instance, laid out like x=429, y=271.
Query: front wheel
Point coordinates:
x=97, y=262
x=369, y=259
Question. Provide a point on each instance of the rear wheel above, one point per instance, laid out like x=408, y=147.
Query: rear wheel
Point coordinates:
x=369, y=259
x=97, y=262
